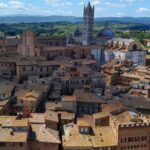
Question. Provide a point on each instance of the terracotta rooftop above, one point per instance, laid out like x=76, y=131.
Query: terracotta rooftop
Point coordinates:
x=83, y=122
x=75, y=139
x=51, y=115
x=11, y=121
x=27, y=95
x=5, y=136
x=37, y=118
x=69, y=98
x=44, y=134
x=67, y=115
x=101, y=115
x=4, y=102
x=53, y=106
x=128, y=117
x=104, y=137
x=108, y=108
x=83, y=96
x=6, y=88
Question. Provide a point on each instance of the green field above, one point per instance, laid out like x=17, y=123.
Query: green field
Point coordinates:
x=137, y=31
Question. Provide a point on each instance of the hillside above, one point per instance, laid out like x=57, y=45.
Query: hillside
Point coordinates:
x=71, y=19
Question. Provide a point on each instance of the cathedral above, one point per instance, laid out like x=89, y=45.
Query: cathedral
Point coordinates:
x=86, y=36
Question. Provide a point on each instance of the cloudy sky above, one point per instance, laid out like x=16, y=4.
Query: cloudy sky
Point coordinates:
x=103, y=8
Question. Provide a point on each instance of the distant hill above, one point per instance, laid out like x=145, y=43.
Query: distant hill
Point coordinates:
x=72, y=19
x=38, y=19
x=141, y=20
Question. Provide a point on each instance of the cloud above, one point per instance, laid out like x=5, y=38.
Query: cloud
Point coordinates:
x=3, y=6
x=96, y=2
x=81, y=3
x=120, y=14
x=110, y=4
x=52, y=2
x=143, y=10
x=58, y=3
x=75, y=7
x=17, y=5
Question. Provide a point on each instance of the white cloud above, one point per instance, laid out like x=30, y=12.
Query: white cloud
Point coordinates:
x=69, y=7
x=120, y=5
x=52, y=2
x=120, y=14
x=58, y=3
x=17, y=5
x=143, y=10
x=81, y=3
x=3, y=6
x=96, y=2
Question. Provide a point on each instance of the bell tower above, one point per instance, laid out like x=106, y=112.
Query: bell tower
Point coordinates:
x=88, y=25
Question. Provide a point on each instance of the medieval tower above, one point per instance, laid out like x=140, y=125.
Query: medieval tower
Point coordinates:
x=88, y=25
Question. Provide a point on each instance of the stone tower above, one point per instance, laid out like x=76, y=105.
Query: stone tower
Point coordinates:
x=88, y=25
x=28, y=46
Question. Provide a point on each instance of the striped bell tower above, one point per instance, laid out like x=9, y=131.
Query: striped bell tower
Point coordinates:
x=88, y=25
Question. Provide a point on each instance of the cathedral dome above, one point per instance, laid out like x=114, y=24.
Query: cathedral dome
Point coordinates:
x=106, y=32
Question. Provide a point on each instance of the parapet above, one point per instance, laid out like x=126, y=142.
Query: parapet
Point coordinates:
x=139, y=121
x=133, y=125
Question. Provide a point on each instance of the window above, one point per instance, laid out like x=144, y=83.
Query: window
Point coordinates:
x=82, y=130
x=135, y=139
x=123, y=140
x=21, y=144
x=32, y=68
x=130, y=139
x=86, y=130
x=143, y=138
x=24, y=69
x=13, y=144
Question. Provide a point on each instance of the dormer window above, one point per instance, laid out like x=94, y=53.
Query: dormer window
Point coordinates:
x=84, y=130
